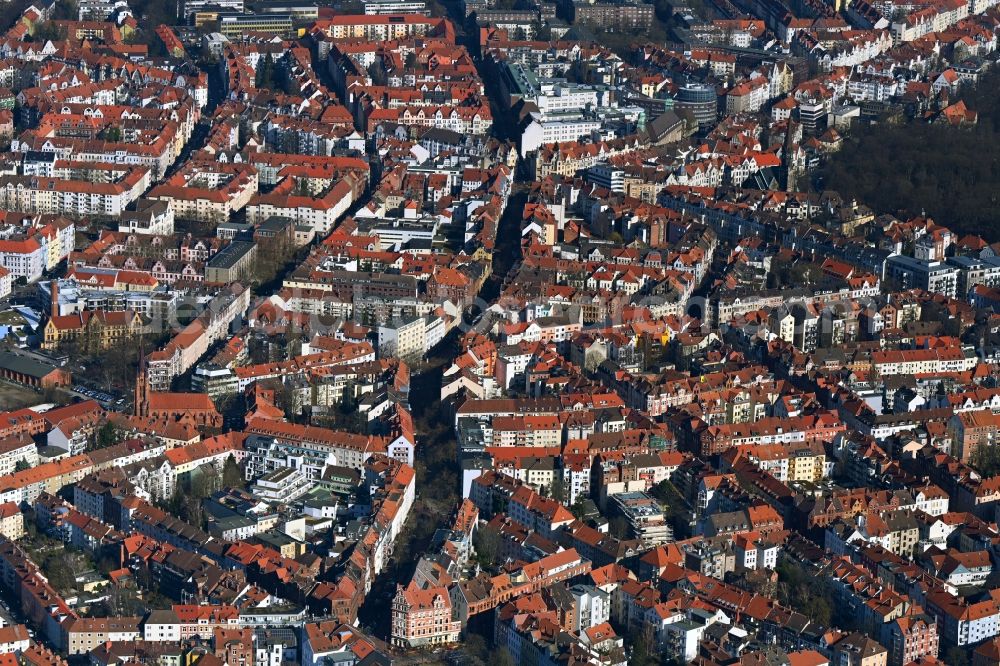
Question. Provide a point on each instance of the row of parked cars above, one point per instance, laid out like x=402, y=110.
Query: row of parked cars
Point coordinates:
x=99, y=396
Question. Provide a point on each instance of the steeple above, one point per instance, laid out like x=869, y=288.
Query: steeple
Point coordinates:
x=141, y=404
x=53, y=298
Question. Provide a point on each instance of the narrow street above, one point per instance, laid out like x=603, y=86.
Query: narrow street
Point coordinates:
x=438, y=478
x=508, y=246
x=438, y=471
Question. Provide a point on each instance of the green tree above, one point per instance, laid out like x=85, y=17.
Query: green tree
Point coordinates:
x=558, y=489
x=107, y=435
x=54, y=395
x=284, y=399
x=803, y=592
x=643, y=651
x=232, y=475
x=118, y=366
x=264, y=77
x=59, y=569
x=956, y=656
x=817, y=609
x=501, y=657
x=986, y=460
x=48, y=31
x=377, y=73
x=675, y=508
x=21, y=465
x=205, y=480
x=65, y=10
x=191, y=511
x=664, y=11
x=909, y=168
x=487, y=545
x=619, y=528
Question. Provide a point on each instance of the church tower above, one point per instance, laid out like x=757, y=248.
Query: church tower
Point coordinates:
x=141, y=405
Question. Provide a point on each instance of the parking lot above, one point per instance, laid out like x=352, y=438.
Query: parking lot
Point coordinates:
x=108, y=400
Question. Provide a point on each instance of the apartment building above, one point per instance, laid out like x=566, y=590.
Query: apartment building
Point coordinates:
x=85, y=634
x=528, y=430
x=276, y=443
x=147, y=216
x=422, y=617
x=748, y=97
x=405, y=338
x=463, y=119
x=23, y=258
x=85, y=190
x=11, y=521
x=973, y=429
x=319, y=213
x=934, y=276
x=393, y=7
x=961, y=622
x=916, y=361
x=379, y=28
x=621, y=16
x=186, y=348
x=644, y=515
x=208, y=192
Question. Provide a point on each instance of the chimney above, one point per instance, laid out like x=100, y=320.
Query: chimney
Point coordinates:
x=54, y=303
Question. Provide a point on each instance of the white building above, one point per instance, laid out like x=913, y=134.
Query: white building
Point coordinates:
x=406, y=338
x=593, y=607
x=541, y=131
x=282, y=486
x=75, y=198
x=162, y=626
x=149, y=217
x=388, y=7
x=23, y=258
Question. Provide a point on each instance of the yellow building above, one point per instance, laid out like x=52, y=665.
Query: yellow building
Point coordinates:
x=95, y=330
x=806, y=464
x=11, y=521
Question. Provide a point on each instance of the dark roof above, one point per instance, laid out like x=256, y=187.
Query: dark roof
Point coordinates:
x=663, y=124
x=162, y=616
x=443, y=135
x=24, y=365
x=230, y=255
x=39, y=156
x=276, y=635
x=275, y=224
x=375, y=659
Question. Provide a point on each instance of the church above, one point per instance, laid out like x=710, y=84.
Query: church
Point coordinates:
x=196, y=409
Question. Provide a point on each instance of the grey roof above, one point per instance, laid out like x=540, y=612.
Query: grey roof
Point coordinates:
x=276, y=635
x=663, y=124
x=230, y=522
x=275, y=223
x=39, y=156
x=24, y=365
x=443, y=135
x=230, y=255
x=162, y=616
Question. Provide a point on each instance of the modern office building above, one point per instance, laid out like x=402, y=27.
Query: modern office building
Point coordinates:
x=700, y=100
